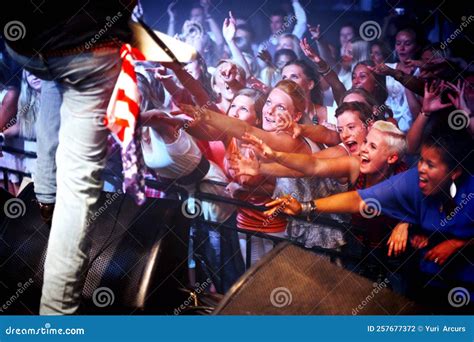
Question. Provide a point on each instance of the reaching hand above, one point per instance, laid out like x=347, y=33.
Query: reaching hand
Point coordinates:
x=200, y=114
x=229, y=28
x=160, y=73
x=381, y=69
x=397, y=242
x=285, y=123
x=443, y=251
x=412, y=63
x=259, y=147
x=244, y=166
x=315, y=32
x=286, y=204
x=432, y=97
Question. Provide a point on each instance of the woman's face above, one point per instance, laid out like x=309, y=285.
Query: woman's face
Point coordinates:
x=352, y=131
x=193, y=69
x=296, y=74
x=277, y=102
x=405, y=45
x=33, y=81
x=243, y=108
x=345, y=34
x=285, y=43
x=376, y=54
x=282, y=61
x=374, y=153
x=346, y=57
x=433, y=172
x=362, y=77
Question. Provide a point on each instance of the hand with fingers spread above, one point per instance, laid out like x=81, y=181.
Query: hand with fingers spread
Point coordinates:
x=265, y=56
x=241, y=166
x=443, y=251
x=397, y=242
x=285, y=123
x=286, y=204
x=315, y=32
x=259, y=147
x=458, y=99
x=419, y=241
x=229, y=28
x=432, y=98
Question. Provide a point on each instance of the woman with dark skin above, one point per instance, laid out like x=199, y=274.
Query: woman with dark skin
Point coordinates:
x=437, y=196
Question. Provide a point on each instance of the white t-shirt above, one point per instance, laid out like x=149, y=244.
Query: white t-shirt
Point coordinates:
x=398, y=102
x=179, y=159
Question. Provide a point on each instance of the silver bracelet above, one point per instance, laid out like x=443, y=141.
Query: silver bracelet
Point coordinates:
x=306, y=208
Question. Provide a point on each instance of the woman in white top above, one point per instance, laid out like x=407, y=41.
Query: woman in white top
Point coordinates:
x=401, y=100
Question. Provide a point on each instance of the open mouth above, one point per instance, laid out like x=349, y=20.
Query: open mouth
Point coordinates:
x=352, y=146
x=271, y=121
x=364, y=160
x=422, y=182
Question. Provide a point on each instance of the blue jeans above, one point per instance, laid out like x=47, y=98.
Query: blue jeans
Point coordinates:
x=85, y=83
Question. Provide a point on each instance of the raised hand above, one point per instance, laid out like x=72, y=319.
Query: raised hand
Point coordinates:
x=397, y=242
x=265, y=56
x=259, y=147
x=286, y=204
x=170, y=10
x=200, y=114
x=229, y=28
x=432, y=97
x=309, y=51
x=315, y=32
x=458, y=100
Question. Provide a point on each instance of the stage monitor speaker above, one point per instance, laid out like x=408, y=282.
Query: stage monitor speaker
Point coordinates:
x=293, y=281
x=138, y=257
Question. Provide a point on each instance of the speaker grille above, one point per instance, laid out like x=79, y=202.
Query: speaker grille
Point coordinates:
x=294, y=281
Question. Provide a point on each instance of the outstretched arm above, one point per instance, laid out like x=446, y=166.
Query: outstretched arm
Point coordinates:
x=237, y=128
x=228, y=31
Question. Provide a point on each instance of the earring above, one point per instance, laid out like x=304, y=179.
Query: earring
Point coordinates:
x=452, y=189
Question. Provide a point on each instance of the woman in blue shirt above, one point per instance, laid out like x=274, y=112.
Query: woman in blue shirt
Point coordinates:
x=438, y=195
